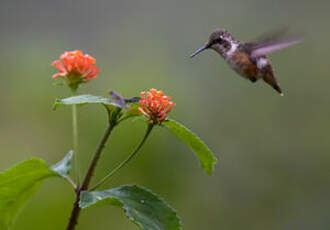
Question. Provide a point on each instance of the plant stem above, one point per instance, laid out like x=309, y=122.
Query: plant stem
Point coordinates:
x=75, y=139
x=130, y=157
x=76, y=209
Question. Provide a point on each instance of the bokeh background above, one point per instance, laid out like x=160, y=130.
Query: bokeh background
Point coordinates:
x=274, y=159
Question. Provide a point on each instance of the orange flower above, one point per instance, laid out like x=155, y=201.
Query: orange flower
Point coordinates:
x=76, y=67
x=155, y=106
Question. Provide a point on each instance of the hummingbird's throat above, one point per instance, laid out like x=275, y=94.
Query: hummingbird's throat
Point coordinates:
x=226, y=49
x=232, y=49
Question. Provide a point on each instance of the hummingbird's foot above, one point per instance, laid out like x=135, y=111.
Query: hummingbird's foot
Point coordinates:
x=253, y=79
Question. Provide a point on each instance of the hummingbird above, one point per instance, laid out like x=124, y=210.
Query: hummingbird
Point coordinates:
x=249, y=59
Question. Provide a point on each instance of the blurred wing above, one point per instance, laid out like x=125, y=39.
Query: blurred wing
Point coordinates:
x=270, y=42
x=271, y=46
x=278, y=34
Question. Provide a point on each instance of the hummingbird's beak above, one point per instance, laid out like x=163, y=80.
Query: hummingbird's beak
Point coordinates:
x=199, y=50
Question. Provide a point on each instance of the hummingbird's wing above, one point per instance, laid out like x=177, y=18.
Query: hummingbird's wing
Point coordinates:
x=272, y=35
x=264, y=49
x=271, y=42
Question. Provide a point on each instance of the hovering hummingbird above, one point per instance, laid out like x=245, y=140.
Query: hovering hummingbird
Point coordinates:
x=249, y=59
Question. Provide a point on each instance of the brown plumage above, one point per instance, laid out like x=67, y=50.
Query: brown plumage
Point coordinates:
x=249, y=59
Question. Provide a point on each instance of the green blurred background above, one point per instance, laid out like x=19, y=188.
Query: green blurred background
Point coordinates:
x=273, y=170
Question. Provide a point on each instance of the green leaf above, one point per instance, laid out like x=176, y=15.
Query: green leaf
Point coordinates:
x=201, y=150
x=141, y=206
x=82, y=100
x=19, y=183
x=133, y=111
x=64, y=166
x=111, y=105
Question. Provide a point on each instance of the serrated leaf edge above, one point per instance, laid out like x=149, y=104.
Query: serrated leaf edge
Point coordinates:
x=125, y=207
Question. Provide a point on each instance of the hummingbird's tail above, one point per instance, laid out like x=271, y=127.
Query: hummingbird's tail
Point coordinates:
x=270, y=79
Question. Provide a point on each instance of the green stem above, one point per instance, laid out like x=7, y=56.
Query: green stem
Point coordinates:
x=97, y=154
x=122, y=164
x=75, y=139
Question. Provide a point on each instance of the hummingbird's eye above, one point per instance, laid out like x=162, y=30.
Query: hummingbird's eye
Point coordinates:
x=219, y=40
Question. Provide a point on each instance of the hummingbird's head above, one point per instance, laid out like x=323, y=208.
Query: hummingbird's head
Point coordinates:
x=219, y=39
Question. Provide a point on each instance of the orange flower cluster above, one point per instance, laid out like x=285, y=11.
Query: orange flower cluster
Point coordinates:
x=155, y=106
x=76, y=66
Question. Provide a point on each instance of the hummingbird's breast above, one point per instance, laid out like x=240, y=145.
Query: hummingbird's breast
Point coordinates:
x=251, y=68
x=242, y=62
x=243, y=65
